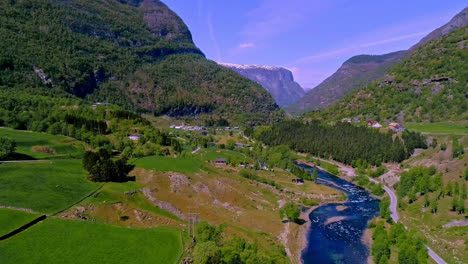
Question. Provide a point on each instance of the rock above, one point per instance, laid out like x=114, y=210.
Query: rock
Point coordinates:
x=279, y=82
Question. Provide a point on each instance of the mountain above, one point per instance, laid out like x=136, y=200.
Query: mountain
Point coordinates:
x=458, y=21
x=134, y=53
x=354, y=74
x=430, y=85
x=279, y=82
x=361, y=70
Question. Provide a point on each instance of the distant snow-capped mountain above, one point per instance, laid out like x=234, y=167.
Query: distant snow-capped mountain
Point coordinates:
x=279, y=82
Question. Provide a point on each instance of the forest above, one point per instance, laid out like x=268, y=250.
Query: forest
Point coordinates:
x=102, y=51
x=342, y=142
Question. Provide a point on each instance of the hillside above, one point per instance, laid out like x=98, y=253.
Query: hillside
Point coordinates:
x=137, y=54
x=279, y=82
x=428, y=86
x=152, y=209
x=354, y=74
x=361, y=70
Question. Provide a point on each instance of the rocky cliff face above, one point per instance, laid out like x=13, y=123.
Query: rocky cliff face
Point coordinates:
x=359, y=71
x=354, y=74
x=279, y=82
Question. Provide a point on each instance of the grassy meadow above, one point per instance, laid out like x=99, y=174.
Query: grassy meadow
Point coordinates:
x=450, y=128
x=60, y=146
x=12, y=219
x=214, y=153
x=46, y=186
x=69, y=241
x=158, y=163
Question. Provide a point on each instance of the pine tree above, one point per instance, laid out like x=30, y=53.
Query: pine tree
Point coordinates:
x=314, y=175
x=434, y=205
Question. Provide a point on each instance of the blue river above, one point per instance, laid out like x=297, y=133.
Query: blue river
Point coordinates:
x=340, y=242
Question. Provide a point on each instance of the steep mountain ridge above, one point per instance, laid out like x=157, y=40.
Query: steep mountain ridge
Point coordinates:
x=279, y=82
x=458, y=21
x=430, y=85
x=134, y=53
x=354, y=74
x=350, y=77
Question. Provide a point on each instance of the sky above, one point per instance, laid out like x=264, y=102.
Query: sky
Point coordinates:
x=312, y=38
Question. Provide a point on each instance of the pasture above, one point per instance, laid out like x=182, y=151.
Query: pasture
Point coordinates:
x=69, y=241
x=12, y=219
x=212, y=154
x=445, y=128
x=45, y=186
x=60, y=146
x=158, y=163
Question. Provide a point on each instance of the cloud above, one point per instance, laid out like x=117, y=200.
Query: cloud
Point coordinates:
x=360, y=46
x=247, y=45
x=275, y=17
x=213, y=38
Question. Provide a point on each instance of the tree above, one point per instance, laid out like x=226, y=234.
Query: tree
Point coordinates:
x=434, y=205
x=314, y=175
x=290, y=211
x=102, y=168
x=7, y=147
x=385, y=209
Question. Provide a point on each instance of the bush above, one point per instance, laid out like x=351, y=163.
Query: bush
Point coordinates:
x=7, y=147
x=290, y=211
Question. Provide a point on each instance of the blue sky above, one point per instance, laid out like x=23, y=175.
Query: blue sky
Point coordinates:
x=310, y=37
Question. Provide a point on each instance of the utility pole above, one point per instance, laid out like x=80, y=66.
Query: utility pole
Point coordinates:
x=193, y=219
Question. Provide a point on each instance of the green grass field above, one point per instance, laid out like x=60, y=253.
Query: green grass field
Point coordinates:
x=159, y=163
x=69, y=241
x=213, y=154
x=25, y=141
x=46, y=186
x=450, y=128
x=12, y=219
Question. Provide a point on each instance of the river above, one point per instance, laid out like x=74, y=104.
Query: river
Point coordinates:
x=337, y=242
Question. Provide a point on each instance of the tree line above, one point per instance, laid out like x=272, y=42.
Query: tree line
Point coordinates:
x=342, y=142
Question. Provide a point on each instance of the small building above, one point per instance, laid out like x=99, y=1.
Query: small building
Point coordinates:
x=240, y=145
x=298, y=181
x=346, y=120
x=374, y=124
x=220, y=162
x=134, y=137
x=396, y=127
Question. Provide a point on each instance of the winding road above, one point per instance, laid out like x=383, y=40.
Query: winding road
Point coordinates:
x=396, y=217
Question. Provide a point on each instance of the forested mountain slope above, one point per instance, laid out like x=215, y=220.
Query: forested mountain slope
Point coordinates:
x=134, y=53
x=360, y=71
x=431, y=85
x=354, y=74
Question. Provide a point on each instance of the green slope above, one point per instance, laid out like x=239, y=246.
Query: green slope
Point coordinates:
x=69, y=241
x=430, y=85
x=137, y=54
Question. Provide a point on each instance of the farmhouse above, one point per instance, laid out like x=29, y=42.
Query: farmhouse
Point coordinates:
x=298, y=181
x=374, y=124
x=396, y=127
x=220, y=162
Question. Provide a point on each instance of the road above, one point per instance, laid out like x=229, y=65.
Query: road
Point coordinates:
x=21, y=161
x=396, y=217
x=195, y=151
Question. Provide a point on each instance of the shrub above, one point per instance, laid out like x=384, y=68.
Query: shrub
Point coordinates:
x=7, y=147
